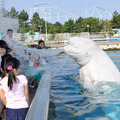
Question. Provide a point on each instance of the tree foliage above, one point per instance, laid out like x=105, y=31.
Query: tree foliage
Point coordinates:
x=23, y=16
x=58, y=27
x=115, y=22
x=68, y=26
x=5, y=13
x=37, y=24
x=13, y=13
x=79, y=24
x=23, y=24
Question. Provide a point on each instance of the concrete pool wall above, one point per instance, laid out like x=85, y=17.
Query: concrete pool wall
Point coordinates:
x=40, y=105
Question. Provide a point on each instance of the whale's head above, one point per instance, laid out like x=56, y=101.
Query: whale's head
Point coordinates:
x=96, y=64
x=80, y=49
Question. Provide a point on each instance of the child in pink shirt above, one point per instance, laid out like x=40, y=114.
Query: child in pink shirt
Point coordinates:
x=14, y=91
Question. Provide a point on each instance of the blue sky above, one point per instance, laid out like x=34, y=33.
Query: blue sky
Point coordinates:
x=76, y=7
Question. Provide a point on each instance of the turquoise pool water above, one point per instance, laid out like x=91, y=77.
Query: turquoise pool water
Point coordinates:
x=69, y=101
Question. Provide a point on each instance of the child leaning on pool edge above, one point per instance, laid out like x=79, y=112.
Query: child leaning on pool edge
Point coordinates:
x=14, y=91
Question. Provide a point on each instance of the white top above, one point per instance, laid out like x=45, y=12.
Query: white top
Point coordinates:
x=15, y=98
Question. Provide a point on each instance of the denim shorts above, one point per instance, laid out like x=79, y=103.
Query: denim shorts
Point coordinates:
x=16, y=114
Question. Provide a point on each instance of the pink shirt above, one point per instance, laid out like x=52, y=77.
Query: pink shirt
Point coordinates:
x=15, y=98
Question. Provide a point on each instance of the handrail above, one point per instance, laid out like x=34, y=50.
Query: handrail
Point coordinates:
x=40, y=104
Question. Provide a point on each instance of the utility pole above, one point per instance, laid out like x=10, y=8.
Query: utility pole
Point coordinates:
x=88, y=30
x=46, y=25
x=40, y=30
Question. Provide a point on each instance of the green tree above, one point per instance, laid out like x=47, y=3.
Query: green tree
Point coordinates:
x=106, y=26
x=94, y=24
x=115, y=22
x=35, y=21
x=42, y=23
x=23, y=24
x=13, y=13
x=102, y=25
x=68, y=26
x=32, y=29
x=5, y=13
x=23, y=28
x=23, y=16
x=51, y=30
x=79, y=24
x=110, y=34
x=58, y=27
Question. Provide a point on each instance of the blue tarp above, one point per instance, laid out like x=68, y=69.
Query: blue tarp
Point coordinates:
x=36, y=36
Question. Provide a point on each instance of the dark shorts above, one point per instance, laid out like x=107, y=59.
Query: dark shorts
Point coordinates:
x=16, y=114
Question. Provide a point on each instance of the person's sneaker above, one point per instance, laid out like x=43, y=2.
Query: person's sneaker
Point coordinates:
x=31, y=86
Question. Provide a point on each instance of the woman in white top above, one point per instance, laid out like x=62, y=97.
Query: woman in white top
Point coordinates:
x=14, y=91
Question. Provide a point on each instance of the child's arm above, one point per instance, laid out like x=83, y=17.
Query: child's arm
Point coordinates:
x=2, y=96
x=27, y=93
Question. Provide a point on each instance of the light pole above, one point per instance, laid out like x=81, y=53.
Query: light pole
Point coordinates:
x=40, y=30
x=46, y=24
x=88, y=30
x=81, y=29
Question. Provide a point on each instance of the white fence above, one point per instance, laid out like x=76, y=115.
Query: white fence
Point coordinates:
x=56, y=37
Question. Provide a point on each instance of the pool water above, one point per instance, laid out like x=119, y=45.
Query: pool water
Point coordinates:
x=69, y=101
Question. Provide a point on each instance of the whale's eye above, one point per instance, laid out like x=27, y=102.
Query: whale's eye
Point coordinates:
x=86, y=54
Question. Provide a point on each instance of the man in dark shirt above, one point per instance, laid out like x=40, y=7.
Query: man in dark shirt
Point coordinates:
x=41, y=44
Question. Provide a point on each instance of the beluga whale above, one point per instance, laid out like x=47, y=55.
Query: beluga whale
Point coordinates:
x=96, y=66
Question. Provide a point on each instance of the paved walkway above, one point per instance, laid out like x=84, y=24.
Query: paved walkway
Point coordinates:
x=98, y=43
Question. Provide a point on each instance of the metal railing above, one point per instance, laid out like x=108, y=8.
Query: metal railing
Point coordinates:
x=58, y=36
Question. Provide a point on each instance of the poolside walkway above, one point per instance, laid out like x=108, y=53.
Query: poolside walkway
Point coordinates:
x=103, y=45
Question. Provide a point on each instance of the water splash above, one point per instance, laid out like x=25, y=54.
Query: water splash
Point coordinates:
x=26, y=54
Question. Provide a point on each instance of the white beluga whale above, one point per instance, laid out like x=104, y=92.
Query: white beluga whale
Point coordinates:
x=96, y=66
